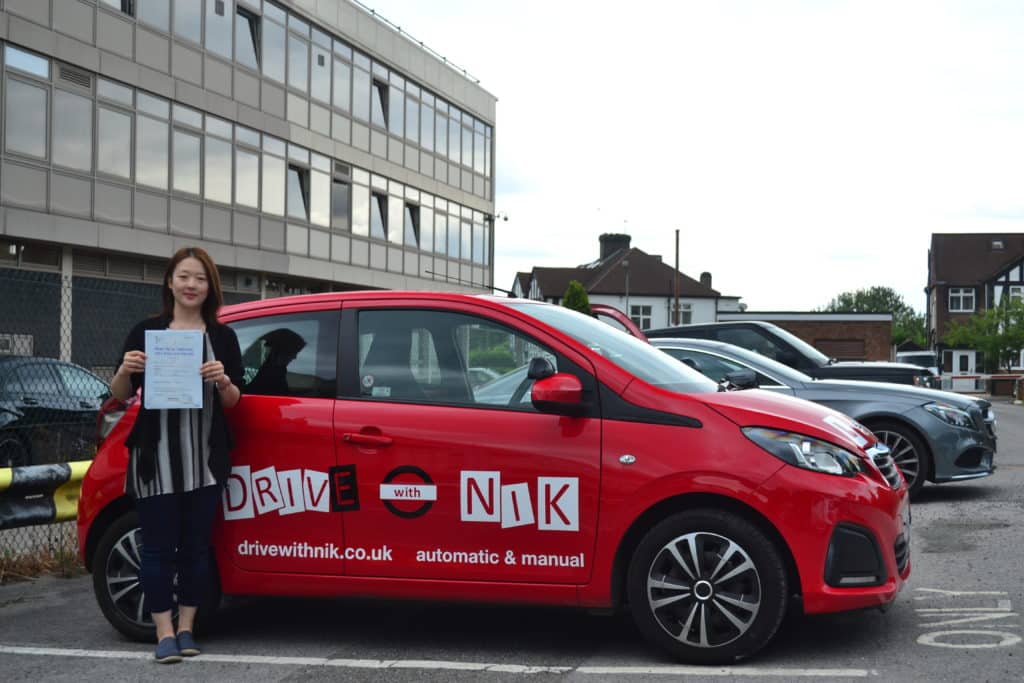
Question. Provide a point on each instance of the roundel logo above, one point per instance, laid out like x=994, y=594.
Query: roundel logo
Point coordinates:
x=408, y=492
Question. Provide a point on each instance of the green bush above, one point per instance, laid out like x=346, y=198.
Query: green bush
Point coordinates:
x=497, y=358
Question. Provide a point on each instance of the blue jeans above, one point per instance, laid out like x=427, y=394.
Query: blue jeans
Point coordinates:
x=176, y=537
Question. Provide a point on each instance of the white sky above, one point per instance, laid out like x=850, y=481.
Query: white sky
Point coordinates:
x=801, y=148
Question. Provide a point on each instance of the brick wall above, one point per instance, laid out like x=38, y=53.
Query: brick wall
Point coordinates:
x=845, y=340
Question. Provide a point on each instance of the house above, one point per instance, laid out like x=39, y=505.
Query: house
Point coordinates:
x=631, y=280
x=968, y=273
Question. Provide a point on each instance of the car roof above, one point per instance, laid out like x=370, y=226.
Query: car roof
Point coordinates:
x=374, y=295
x=681, y=329
x=690, y=341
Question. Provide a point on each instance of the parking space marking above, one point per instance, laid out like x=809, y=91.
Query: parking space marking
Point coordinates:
x=441, y=665
x=980, y=635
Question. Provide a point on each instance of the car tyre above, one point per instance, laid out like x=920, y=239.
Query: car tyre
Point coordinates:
x=14, y=452
x=908, y=452
x=115, y=580
x=708, y=586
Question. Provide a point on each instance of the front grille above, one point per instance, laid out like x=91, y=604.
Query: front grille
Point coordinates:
x=902, y=550
x=882, y=458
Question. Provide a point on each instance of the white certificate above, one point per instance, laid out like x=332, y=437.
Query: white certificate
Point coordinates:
x=172, y=379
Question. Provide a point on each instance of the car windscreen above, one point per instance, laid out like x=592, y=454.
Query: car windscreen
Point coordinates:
x=636, y=357
x=803, y=347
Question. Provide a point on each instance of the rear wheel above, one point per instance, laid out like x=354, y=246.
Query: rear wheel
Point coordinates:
x=115, y=580
x=708, y=586
x=908, y=452
x=13, y=451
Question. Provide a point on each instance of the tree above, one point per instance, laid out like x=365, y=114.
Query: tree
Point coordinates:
x=997, y=332
x=906, y=323
x=576, y=298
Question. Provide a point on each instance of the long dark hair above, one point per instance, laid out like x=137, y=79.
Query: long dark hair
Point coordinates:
x=214, y=296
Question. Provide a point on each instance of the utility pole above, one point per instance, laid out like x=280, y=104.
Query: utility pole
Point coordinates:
x=675, y=285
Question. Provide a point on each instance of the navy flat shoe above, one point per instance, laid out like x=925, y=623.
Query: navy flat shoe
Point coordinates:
x=167, y=651
x=187, y=644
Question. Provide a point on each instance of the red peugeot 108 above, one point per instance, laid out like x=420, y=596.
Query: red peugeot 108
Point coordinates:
x=583, y=467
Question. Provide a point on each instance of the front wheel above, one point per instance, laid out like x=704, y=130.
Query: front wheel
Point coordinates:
x=909, y=454
x=708, y=586
x=118, y=589
x=14, y=451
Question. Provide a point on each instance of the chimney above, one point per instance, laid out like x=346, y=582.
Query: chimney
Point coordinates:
x=705, y=279
x=612, y=242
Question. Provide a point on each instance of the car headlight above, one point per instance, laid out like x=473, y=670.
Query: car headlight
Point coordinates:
x=950, y=414
x=806, y=452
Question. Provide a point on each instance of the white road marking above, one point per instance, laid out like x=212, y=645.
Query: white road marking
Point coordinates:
x=954, y=594
x=441, y=665
x=933, y=639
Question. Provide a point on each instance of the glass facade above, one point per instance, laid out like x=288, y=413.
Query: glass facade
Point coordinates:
x=126, y=137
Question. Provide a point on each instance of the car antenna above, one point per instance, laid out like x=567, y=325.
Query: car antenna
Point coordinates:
x=460, y=281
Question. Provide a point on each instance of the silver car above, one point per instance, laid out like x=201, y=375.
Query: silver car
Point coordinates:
x=935, y=436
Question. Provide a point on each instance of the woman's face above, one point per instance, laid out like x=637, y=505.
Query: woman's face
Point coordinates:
x=189, y=284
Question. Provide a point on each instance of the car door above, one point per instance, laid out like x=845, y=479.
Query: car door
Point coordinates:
x=457, y=482
x=278, y=511
x=45, y=411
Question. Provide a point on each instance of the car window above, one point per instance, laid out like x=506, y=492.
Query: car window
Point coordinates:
x=37, y=378
x=636, y=357
x=293, y=354
x=9, y=384
x=80, y=384
x=752, y=340
x=442, y=357
x=716, y=367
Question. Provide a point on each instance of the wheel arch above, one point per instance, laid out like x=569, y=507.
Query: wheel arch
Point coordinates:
x=102, y=522
x=692, y=501
x=881, y=419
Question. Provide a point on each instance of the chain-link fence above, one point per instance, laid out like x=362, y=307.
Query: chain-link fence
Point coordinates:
x=60, y=342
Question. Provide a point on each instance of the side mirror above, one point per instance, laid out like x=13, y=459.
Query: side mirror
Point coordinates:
x=740, y=379
x=559, y=394
x=540, y=368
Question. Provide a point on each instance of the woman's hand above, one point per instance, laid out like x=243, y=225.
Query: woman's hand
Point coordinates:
x=132, y=363
x=213, y=371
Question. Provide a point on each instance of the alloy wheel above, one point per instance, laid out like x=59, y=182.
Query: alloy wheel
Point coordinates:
x=704, y=589
x=122, y=579
x=904, y=454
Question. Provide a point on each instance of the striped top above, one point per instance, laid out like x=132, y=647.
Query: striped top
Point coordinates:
x=183, y=452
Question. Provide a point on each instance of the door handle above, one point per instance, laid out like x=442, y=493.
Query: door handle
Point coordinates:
x=366, y=439
x=29, y=401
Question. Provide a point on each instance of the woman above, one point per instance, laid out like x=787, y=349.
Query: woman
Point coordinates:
x=179, y=459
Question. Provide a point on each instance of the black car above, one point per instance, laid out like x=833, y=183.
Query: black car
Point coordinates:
x=785, y=347
x=48, y=411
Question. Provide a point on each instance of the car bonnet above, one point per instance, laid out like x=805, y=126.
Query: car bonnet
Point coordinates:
x=759, y=408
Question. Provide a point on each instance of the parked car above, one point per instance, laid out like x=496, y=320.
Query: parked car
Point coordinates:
x=924, y=359
x=779, y=344
x=600, y=473
x=935, y=436
x=48, y=410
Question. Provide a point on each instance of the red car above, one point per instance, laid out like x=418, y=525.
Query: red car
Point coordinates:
x=593, y=470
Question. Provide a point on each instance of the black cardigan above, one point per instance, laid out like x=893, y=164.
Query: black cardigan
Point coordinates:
x=145, y=432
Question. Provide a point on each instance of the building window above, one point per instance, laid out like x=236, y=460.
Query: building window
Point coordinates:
x=72, y=131
x=27, y=62
x=186, y=161
x=319, y=198
x=298, y=192
x=219, y=24
x=396, y=116
x=26, y=118
x=320, y=86
x=273, y=48
x=453, y=236
x=151, y=145
x=125, y=6
x=247, y=38
x=478, y=242
x=379, y=216
x=273, y=176
x=217, y=175
x=961, y=299
x=361, y=94
x=156, y=13
x=342, y=85
x=641, y=316
x=188, y=19
x=426, y=226
x=440, y=232
x=247, y=178
x=379, y=102
x=113, y=156
x=467, y=241
x=1016, y=292
x=341, y=205
x=298, y=63
x=360, y=209
x=412, y=225
x=412, y=119
x=685, y=314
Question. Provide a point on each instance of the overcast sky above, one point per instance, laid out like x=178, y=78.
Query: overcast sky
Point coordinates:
x=801, y=148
